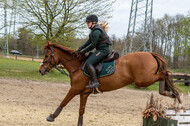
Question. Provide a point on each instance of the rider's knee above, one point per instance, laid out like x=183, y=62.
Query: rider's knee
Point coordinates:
x=87, y=64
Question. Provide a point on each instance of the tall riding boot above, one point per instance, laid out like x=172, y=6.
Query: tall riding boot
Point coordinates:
x=94, y=80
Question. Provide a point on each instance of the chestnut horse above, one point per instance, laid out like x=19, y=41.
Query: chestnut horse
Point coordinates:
x=140, y=68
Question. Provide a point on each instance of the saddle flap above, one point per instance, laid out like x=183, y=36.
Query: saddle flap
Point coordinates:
x=111, y=56
x=98, y=67
x=108, y=68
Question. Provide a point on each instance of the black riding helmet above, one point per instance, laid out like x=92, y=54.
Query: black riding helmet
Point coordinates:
x=91, y=17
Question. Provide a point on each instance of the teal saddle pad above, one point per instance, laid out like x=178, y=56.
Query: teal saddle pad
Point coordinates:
x=107, y=69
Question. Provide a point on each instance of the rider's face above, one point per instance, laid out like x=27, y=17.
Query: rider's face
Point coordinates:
x=89, y=24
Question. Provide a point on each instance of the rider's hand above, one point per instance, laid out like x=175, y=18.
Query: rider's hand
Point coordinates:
x=78, y=50
x=79, y=55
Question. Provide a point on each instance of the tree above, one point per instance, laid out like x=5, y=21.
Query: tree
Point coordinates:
x=60, y=18
x=24, y=42
x=184, y=40
x=114, y=40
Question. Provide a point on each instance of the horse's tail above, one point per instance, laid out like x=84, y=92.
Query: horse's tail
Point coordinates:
x=162, y=67
x=162, y=64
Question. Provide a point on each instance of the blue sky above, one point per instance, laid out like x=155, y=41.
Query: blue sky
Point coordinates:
x=119, y=22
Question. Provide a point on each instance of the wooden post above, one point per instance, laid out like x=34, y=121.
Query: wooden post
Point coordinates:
x=186, y=79
x=183, y=78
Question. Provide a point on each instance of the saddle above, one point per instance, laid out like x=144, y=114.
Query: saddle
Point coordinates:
x=111, y=57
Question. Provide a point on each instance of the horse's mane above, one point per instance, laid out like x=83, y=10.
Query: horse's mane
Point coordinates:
x=65, y=49
x=62, y=48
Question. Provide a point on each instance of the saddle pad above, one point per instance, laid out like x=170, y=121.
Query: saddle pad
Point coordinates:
x=107, y=69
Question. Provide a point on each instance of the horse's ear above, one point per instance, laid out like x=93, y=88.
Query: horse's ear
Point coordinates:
x=49, y=43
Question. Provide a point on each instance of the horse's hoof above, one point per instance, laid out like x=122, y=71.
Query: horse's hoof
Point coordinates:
x=50, y=118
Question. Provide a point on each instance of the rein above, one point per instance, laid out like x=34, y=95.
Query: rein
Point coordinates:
x=55, y=65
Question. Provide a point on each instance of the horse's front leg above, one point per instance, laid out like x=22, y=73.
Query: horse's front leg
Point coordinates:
x=72, y=92
x=83, y=99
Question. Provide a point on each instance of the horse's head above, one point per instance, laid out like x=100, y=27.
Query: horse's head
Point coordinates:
x=56, y=54
x=50, y=60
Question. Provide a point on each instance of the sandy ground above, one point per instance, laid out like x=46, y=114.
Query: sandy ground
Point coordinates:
x=28, y=103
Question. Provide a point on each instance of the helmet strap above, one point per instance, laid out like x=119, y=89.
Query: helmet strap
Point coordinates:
x=92, y=25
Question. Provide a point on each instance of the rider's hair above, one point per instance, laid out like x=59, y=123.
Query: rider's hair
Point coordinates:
x=104, y=25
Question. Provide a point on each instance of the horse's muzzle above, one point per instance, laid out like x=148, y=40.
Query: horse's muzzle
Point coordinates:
x=42, y=72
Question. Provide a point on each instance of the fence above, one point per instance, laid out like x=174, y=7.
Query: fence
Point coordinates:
x=27, y=58
x=180, y=77
x=183, y=117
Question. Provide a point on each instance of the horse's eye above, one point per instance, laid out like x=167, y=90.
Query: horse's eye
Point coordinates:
x=46, y=56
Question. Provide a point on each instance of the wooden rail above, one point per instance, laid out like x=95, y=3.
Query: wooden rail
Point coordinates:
x=183, y=117
x=180, y=77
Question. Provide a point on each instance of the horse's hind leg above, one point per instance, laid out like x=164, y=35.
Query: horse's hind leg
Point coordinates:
x=162, y=89
x=162, y=85
x=167, y=88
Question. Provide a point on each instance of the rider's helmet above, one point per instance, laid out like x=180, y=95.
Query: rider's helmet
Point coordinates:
x=91, y=17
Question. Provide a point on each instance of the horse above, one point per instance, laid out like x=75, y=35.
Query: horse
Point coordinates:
x=139, y=68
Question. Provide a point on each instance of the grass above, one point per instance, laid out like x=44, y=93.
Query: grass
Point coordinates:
x=181, y=70
x=155, y=87
x=18, y=69
x=152, y=87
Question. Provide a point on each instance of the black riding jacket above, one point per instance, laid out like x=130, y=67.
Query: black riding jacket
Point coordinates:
x=98, y=39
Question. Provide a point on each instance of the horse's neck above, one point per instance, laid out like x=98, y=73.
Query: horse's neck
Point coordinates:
x=69, y=63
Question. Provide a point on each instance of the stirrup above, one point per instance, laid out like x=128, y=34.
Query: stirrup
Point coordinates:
x=94, y=85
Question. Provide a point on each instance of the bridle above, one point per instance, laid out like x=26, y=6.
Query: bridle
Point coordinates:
x=55, y=65
x=50, y=62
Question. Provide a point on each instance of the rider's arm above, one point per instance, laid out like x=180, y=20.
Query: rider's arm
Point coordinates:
x=84, y=45
x=95, y=37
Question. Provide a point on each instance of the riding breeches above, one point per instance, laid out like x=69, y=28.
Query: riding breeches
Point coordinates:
x=96, y=57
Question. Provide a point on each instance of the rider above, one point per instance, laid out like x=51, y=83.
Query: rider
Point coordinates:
x=98, y=39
